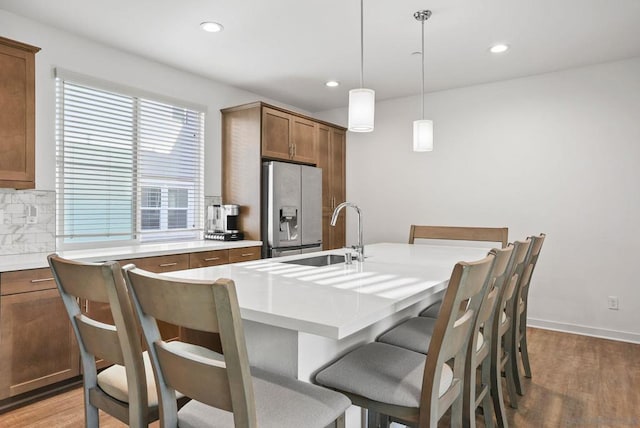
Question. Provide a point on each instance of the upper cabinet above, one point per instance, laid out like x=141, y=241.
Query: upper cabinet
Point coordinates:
x=256, y=132
x=17, y=121
x=331, y=158
x=288, y=137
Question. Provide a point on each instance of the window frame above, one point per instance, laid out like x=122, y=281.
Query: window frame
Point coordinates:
x=138, y=235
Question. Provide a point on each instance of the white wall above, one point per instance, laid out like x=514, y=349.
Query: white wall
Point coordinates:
x=557, y=153
x=65, y=50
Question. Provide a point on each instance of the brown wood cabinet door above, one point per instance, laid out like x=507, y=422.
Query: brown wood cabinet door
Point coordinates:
x=17, y=121
x=208, y=258
x=337, y=152
x=304, y=140
x=276, y=134
x=38, y=344
x=331, y=158
x=324, y=141
x=244, y=254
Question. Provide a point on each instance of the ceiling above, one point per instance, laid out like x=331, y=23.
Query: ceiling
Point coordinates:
x=287, y=49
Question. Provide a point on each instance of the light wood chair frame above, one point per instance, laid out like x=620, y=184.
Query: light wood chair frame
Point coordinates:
x=486, y=234
x=519, y=351
x=475, y=396
x=208, y=306
x=501, y=328
x=449, y=343
x=118, y=344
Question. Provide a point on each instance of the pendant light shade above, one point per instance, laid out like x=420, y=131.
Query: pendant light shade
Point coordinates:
x=362, y=101
x=422, y=135
x=361, y=109
x=423, y=128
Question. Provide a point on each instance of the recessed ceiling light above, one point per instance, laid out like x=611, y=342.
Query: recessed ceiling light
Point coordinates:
x=211, y=27
x=499, y=48
x=332, y=83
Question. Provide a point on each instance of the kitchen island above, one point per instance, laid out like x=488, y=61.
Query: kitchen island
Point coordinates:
x=298, y=318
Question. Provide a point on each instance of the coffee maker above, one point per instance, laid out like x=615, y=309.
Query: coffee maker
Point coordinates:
x=223, y=222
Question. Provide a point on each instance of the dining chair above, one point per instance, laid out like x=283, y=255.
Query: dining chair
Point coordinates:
x=225, y=391
x=416, y=333
x=486, y=234
x=125, y=390
x=480, y=234
x=501, y=363
x=519, y=351
x=407, y=386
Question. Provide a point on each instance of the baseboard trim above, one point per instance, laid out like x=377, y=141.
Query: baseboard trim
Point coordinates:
x=622, y=336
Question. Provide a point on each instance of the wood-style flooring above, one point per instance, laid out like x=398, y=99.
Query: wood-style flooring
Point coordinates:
x=578, y=381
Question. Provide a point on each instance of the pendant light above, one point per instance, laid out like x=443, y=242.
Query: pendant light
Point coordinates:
x=423, y=128
x=361, y=101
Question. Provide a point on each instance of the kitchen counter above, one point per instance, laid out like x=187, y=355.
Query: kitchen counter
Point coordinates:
x=39, y=260
x=338, y=300
x=298, y=318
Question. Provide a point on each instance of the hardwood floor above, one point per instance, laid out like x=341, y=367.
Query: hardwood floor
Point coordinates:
x=578, y=381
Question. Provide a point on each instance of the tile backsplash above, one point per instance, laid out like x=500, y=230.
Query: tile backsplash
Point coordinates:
x=27, y=221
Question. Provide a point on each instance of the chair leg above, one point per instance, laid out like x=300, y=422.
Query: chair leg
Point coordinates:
x=340, y=422
x=377, y=420
x=456, y=413
x=487, y=406
x=511, y=382
x=512, y=342
x=523, y=349
x=497, y=395
x=91, y=416
x=469, y=395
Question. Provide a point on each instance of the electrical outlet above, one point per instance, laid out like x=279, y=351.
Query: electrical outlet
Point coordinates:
x=612, y=302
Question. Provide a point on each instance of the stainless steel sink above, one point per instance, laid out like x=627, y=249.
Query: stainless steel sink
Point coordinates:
x=324, y=260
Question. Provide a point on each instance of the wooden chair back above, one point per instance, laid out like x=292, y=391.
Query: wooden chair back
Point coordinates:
x=496, y=283
x=210, y=306
x=532, y=260
x=118, y=343
x=518, y=264
x=487, y=234
x=450, y=339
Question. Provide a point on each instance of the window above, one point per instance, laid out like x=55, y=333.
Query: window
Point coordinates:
x=129, y=166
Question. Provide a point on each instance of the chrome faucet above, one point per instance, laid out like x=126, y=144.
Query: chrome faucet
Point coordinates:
x=360, y=247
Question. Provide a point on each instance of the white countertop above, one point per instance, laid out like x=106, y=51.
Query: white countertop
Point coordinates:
x=39, y=260
x=338, y=300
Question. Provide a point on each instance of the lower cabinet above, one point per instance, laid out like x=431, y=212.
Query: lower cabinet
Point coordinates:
x=37, y=344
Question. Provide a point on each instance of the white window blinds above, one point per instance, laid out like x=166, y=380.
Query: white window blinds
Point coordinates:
x=129, y=168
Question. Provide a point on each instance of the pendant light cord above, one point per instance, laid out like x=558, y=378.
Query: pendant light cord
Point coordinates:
x=423, y=61
x=362, y=43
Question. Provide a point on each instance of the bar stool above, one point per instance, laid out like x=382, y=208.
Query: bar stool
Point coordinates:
x=397, y=384
x=225, y=392
x=519, y=352
x=125, y=390
x=416, y=333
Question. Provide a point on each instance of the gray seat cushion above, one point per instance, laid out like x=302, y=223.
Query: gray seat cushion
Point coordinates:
x=432, y=311
x=281, y=402
x=382, y=373
x=414, y=334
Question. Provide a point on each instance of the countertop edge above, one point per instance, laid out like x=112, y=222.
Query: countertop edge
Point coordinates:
x=15, y=262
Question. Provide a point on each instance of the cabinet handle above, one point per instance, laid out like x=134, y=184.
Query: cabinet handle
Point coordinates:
x=210, y=259
x=246, y=254
x=167, y=264
x=294, y=150
x=35, y=281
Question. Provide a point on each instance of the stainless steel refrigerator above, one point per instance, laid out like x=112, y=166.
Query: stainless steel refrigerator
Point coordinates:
x=291, y=209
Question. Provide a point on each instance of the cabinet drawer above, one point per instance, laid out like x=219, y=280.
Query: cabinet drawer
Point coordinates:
x=22, y=281
x=244, y=254
x=208, y=258
x=161, y=264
